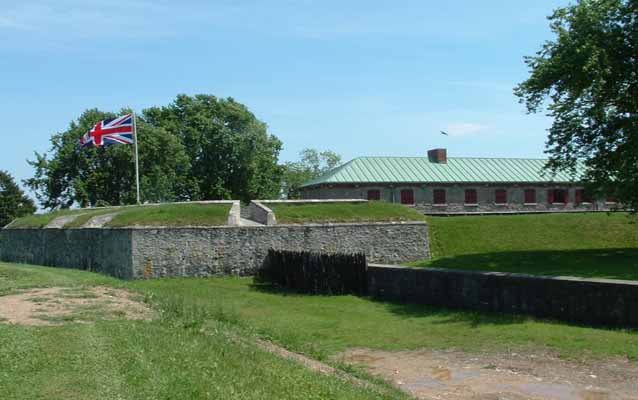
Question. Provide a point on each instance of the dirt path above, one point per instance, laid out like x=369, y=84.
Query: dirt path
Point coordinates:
x=453, y=375
x=56, y=305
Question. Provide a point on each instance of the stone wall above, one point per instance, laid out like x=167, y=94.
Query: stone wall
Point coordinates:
x=155, y=252
x=589, y=301
x=455, y=196
x=259, y=213
x=101, y=250
x=242, y=250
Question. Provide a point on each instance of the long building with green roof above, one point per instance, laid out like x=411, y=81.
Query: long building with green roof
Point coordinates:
x=438, y=184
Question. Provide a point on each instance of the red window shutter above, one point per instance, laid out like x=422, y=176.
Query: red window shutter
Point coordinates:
x=530, y=196
x=374, y=195
x=550, y=196
x=501, y=196
x=470, y=196
x=439, y=196
x=407, y=196
x=566, y=194
x=578, y=196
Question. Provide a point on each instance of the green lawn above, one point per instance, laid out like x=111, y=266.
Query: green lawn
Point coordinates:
x=373, y=211
x=183, y=214
x=191, y=351
x=585, y=244
x=42, y=220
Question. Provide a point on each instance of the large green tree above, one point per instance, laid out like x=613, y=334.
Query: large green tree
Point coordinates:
x=312, y=164
x=231, y=153
x=13, y=202
x=71, y=175
x=589, y=74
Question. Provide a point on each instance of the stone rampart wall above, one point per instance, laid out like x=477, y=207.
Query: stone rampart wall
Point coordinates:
x=156, y=252
x=588, y=301
x=101, y=250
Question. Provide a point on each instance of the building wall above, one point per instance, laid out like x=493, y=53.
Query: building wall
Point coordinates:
x=455, y=195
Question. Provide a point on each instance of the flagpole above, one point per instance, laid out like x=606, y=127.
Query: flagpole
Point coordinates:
x=137, y=160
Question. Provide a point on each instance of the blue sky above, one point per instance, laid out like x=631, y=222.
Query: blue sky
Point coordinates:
x=357, y=77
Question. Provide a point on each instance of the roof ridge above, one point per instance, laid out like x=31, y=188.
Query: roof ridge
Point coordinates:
x=462, y=157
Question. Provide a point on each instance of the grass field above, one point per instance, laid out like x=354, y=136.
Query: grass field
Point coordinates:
x=373, y=211
x=584, y=244
x=184, y=214
x=190, y=351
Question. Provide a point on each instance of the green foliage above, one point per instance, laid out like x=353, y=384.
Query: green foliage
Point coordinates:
x=291, y=213
x=197, y=148
x=106, y=175
x=590, y=74
x=231, y=153
x=313, y=163
x=13, y=202
x=593, y=245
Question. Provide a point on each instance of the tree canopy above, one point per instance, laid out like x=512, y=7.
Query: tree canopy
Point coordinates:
x=312, y=164
x=196, y=148
x=106, y=175
x=13, y=202
x=589, y=74
x=231, y=153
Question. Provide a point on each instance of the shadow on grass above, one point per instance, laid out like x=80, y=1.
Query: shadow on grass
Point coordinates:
x=615, y=263
x=442, y=315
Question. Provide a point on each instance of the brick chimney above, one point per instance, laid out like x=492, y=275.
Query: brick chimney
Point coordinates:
x=438, y=156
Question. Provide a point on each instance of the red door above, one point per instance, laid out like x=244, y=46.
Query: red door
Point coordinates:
x=407, y=196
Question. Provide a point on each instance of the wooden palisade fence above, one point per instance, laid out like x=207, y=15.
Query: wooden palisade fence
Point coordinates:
x=316, y=273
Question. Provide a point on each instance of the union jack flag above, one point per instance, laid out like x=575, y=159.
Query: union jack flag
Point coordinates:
x=110, y=131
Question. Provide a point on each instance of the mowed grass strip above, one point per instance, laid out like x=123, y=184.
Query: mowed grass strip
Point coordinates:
x=184, y=214
x=42, y=220
x=372, y=211
x=193, y=350
x=592, y=245
x=323, y=326
x=174, y=214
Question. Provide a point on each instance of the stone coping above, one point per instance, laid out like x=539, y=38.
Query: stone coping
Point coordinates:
x=312, y=201
x=623, y=282
x=234, y=217
x=206, y=227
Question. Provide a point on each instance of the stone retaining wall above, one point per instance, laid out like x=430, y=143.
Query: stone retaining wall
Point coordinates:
x=101, y=250
x=589, y=301
x=154, y=252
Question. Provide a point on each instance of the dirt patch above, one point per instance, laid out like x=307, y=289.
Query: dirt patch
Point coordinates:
x=55, y=306
x=452, y=375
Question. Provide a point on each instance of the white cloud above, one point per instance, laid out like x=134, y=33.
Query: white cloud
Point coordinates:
x=464, y=128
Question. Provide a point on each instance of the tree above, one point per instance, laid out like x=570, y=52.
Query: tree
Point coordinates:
x=231, y=153
x=313, y=163
x=589, y=72
x=106, y=175
x=13, y=202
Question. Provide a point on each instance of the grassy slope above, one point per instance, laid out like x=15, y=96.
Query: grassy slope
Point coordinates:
x=173, y=215
x=325, y=325
x=189, y=353
x=42, y=220
x=185, y=214
x=584, y=244
x=343, y=212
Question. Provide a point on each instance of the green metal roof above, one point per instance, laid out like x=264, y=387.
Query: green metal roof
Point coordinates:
x=457, y=169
